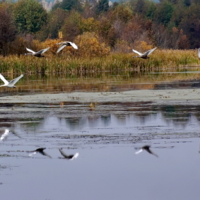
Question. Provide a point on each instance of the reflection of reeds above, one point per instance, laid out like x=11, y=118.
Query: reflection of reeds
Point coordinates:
x=100, y=81
x=159, y=60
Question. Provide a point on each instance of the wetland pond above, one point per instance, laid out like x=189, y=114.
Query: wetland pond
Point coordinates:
x=103, y=122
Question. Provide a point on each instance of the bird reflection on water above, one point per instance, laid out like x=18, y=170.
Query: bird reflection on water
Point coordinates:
x=146, y=148
x=69, y=157
x=39, y=150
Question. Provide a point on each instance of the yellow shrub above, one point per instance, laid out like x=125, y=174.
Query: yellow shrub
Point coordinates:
x=89, y=45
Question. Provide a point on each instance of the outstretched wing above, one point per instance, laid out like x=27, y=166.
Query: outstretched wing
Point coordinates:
x=73, y=45
x=42, y=51
x=137, y=52
x=5, y=134
x=14, y=81
x=149, y=51
x=71, y=157
x=61, y=47
x=139, y=151
x=199, y=52
x=30, y=50
x=3, y=79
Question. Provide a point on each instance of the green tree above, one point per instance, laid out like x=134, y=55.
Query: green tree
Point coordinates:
x=102, y=6
x=7, y=28
x=164, y=13
x=69, y=5
x=190, y=24
x=30, y=16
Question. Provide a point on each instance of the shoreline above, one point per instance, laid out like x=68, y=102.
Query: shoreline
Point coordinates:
x=176, y=96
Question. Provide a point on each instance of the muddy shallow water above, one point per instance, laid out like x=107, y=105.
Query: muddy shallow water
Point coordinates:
x=106, y=129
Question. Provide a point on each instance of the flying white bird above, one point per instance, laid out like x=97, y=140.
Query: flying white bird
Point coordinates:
x=11, y=83
x=147, y=148
x=4, y=135
x=69, y=157
x=37, y=54
x=66, y=43
x=143, y=55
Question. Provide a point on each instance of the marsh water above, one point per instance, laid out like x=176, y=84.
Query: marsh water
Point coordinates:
x=105, y=135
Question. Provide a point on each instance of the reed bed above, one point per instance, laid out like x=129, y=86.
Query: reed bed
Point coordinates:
x=160, y=60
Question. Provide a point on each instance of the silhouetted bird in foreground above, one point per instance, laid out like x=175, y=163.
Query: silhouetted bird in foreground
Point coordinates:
x=39, y=150
x=147, y=148
x=69, y=157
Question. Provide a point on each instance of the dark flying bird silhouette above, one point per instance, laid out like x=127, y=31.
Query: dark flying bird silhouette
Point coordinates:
x=69, y=157
x=146, y=148
x=39, y=150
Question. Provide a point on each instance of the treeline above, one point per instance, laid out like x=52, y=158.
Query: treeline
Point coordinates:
x=98, y=27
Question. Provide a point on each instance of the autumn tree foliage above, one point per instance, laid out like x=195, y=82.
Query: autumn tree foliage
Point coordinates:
x=124, y=25
x=90, y=45
x=7, y=28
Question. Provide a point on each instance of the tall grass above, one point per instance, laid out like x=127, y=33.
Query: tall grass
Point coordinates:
x=160, y=60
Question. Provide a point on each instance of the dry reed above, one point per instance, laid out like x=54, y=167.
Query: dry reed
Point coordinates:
x=160, y=60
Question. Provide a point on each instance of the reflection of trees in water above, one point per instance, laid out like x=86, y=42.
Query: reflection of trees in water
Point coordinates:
x=179, y=115
x=122, y=115
x=106, y=119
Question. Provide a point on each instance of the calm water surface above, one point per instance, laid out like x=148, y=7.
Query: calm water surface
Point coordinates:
x=106, y=139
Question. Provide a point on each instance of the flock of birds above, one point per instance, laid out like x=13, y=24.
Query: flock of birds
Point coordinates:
x=41, y=150
x=11, y=84
x=40, y=53
x=61, y=47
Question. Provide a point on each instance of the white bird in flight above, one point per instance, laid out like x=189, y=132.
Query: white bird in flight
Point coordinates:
x=66, y=43
x=11, y=83
x=4, y=135
x=38, y=53
x=143, y=55
x=69, y=157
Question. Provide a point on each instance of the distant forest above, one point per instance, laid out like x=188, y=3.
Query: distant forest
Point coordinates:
x=168, y=24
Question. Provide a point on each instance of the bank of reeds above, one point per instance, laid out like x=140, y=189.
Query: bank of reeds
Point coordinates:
x=160, y=60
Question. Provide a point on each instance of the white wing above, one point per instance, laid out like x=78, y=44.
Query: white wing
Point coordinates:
x=30, y=50
x=31, y=154
x=140, y=54
x=75, y=155
x=42, y=51
x=60, y=48
x=3, y=79
x=149, y=51
x=137, y=152
x=199, y=52
x=6, y=132
x=73, y=45
x=16, y=79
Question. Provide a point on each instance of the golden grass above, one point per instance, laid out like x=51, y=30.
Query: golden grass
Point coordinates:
x=160, y=60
